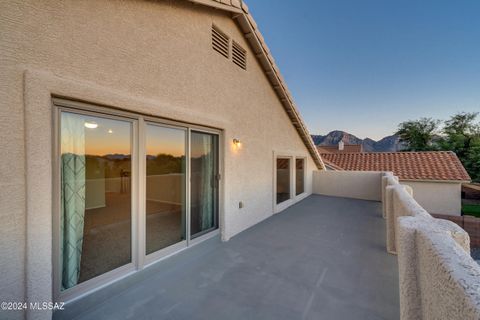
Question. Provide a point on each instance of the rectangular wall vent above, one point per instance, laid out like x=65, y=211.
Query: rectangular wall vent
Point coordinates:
x=239, y=55
x=220, y=41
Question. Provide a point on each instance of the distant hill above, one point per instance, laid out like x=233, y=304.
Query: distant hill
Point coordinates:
x=387, y=144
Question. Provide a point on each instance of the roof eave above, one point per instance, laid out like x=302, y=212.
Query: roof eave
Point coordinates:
x=220, y=5
x=273, y=74
x=262, y=53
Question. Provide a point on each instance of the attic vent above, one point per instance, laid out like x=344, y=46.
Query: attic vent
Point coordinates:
x=239, y=55
x=220, y=41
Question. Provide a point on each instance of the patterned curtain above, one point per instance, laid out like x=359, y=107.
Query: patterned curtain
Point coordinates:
x=206, y=206
x=72, y=196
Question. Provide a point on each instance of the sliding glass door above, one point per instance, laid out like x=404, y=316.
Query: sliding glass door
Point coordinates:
x=204, y=183
x=165, y=186
x=129, y=190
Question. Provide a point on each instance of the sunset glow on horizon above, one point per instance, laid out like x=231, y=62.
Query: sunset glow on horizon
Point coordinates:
x=112, y=136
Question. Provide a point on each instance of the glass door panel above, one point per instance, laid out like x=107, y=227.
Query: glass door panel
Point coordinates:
x=165, y=187
x=204, y=183
x=96, y=198
x=283, y=179
x=299, y=176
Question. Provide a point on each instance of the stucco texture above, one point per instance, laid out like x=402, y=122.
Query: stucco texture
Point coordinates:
x=438, y=278
x=387, y=179
x=438, y=197
x=350, y=184
x=153, y=57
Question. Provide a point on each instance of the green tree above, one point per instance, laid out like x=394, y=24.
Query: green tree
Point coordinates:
x=462, y=136
x=418, y=135
x=472, y=161
x=462, y=123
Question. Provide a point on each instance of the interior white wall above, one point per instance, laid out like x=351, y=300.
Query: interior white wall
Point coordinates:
x=438, y=197
x=95, y=193
x=152, y=57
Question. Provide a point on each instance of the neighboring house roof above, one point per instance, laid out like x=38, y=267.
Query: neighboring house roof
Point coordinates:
x=240, y=13
x=430, y=165
x=330, y=165
x=347, y=148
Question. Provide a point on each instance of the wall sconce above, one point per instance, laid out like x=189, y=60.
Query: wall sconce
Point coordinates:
x=237, y=143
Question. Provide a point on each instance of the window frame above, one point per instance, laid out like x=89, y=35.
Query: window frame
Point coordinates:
x=139, y=259
x=107, y=277
x=303, y=194
x=292, y=156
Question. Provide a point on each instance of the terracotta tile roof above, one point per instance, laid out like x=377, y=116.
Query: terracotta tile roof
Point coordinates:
x=431, y=165
x=331, y=165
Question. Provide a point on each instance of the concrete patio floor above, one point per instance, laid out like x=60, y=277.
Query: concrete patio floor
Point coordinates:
x=323, y=258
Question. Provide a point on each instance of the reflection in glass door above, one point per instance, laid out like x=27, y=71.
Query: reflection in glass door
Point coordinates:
x=95, y=198
x=204, y=183
x=165, y=187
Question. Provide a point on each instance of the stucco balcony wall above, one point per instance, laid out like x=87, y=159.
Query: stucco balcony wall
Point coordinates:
x=362, y=185
x=438, y=279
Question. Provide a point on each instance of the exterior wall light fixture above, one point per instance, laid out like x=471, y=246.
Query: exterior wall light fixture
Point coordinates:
x=237, y=143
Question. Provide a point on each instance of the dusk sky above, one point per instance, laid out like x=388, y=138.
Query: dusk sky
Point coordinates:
x=364, y=66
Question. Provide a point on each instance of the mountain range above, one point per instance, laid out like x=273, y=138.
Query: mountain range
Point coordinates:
x=388, y=144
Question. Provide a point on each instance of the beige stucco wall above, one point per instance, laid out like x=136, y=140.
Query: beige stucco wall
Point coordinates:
x=365, y=185
x=438, y=279
x=153, y=57
x=437, y=197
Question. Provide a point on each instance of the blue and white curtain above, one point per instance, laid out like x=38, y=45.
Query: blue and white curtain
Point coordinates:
x=72, y=197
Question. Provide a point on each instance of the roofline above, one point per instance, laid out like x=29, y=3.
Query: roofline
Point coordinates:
x=332, y=165
x=436, y=180
x=403, y=152
x=333, y=168
x=219, y=5
x=336, y=145
x=247, y=24
x=338, y=168
x=391, y=152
